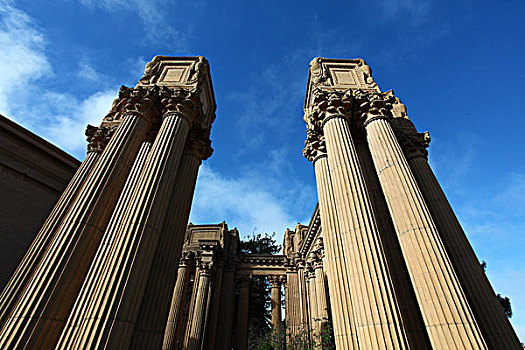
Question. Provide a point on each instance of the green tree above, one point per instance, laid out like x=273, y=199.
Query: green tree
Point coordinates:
x=260, y=300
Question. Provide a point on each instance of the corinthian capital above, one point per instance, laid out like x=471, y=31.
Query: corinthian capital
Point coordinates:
x=198, y=143
x=98, y=138
x=327, y=104
x=314, y=145
x=184, y=102
x=371, y=105
x=414, y=144
x=142, y=101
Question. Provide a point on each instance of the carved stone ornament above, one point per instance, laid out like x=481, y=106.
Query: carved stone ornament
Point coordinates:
x=98, y=138
x=184, y=102
x=327, y=104
x=318, y=72
x=151, y=70
x=143, y=101
x=370, y=105
x=367, y=72
x=414, y=144
x=314, y=145
x=275, y=281
x=198, y=143
x=205, y=267
x=185, y=259
x=198, y=70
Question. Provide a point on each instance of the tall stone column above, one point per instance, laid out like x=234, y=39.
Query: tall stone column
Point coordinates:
x=225, y=324
x=275, y=283
x=494, y=324
x=151, y=320
x=43, y=308
x=201, y=304
x=128, y=265
x=174, y=317
x=241, y=338
x=447, y=316
x=212, y=315
x=293, y=303
x=97, y=139
x=377, y=317
x=107, y=241
x=345, y=333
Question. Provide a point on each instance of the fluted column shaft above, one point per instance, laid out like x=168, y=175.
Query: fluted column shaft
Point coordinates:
x=293, y=303
x=127, y=266
x=151, y=321
x=322, y=306
x=312, y=308
x=345, y=333
x=44, y=237
x=214, y=309
x=377, y=317
x=199, y=309
x=177, y=299
x=105, y=245
x=494, y=324
x=275, y=283
x=241, y=340
x=445, y=311
x=225, y=324
x=42, y=310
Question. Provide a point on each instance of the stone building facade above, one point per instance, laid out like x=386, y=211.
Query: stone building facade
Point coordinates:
x=382, y=264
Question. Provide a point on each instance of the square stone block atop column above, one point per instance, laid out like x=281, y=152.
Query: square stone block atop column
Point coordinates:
x=338, y=74
x=190, y=73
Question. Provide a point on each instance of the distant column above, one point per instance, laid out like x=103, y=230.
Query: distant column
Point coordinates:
x=241, y=340
x=201, y=304
x=312, y=305
x=447, y=316
x=345, y=333
x=494, y=324
x=320, y=291
x=177, y=300
x=225, y=325
x=97, y=139
x=275, y=283
x=37, y=322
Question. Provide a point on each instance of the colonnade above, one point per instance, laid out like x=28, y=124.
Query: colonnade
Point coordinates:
x=353, y=146
x=87, y=281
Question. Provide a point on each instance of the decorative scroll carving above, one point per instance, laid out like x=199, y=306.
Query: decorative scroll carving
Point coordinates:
x=198, y=143
x=318, y=73
x=315, y=147
x=186, y=259
x=327, y=104
x=371, y=105
x=98, y=137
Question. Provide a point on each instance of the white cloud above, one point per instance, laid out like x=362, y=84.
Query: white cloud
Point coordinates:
x=57, y=116
x=22, y=55
x=241, y=202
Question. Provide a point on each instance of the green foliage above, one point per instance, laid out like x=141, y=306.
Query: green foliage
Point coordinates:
x=283, y=338
x=260, y=300
x=259, y=244
x=504, y=301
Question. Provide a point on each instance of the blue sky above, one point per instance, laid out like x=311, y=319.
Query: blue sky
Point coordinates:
x=458, y=66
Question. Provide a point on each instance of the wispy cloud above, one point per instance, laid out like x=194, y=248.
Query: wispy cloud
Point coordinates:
x=152, y=15
x=242, y=202
x=22, y=55
x=55, y=115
